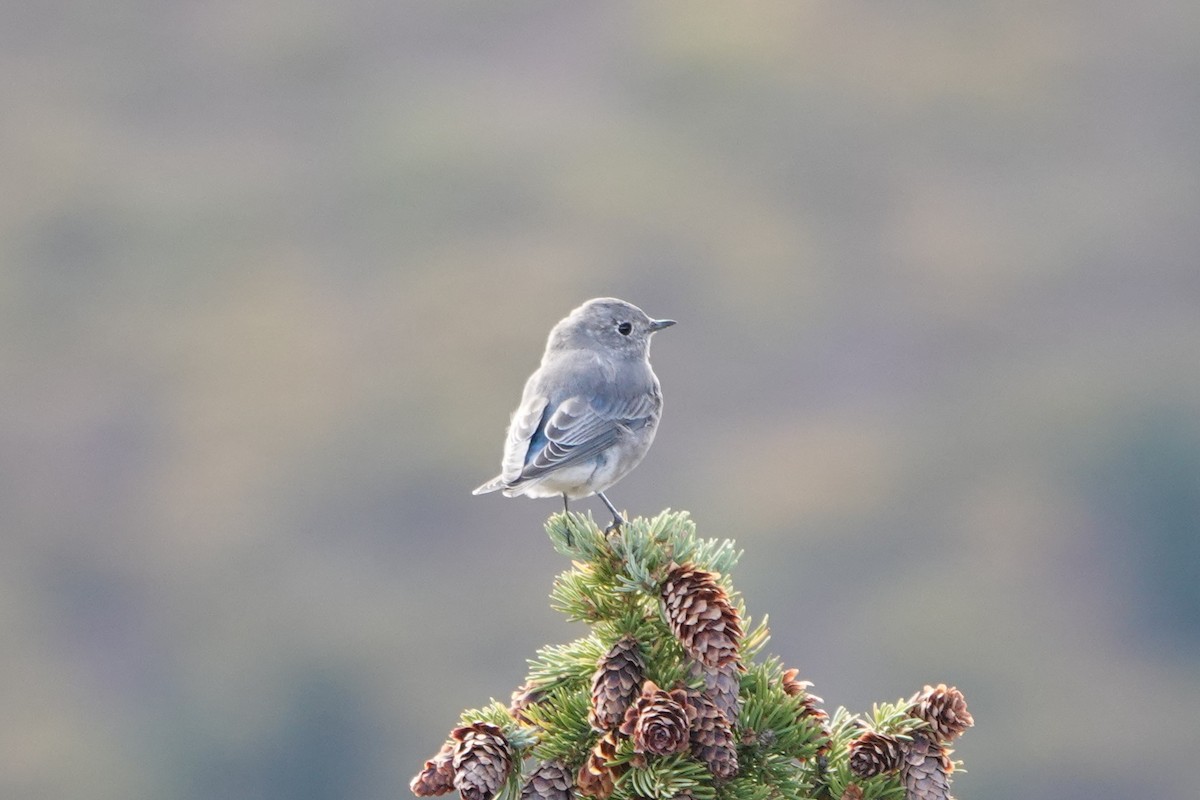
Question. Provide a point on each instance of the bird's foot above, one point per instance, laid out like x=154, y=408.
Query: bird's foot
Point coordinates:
x=617, y=520
x=615, y=525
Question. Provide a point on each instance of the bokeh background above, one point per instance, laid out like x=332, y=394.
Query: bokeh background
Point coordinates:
x=272, y=275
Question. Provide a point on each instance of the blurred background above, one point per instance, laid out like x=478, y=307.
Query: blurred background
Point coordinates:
x=272, y=276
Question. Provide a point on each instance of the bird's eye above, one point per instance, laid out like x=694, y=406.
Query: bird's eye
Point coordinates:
x=625, y=329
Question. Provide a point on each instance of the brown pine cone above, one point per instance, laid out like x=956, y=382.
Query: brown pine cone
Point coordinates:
x=526, y=695
x=658, y=721
x=792, y=683
x=944, y=709
x=615, y=684
x=550, y=781
x=722, y=684
x=482, y=760
x=796, y=687
x=437, y=777
x=874, y=753
x=712, y=737
x=701, y=615
x=597, y=778
x=925, y=769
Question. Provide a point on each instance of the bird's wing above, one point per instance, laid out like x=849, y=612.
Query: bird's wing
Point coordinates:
x=578, y=429
x=527, y=421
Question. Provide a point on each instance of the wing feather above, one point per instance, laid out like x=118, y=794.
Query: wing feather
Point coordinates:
x=580, y=429
x=526, y=423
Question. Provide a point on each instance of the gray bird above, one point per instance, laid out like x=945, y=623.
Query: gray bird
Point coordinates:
x=589, y=412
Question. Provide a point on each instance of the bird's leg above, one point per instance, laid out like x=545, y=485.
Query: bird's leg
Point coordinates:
x=618, y=520
x=566, y=510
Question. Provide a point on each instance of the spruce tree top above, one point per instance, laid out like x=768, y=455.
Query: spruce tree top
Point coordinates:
x=669, y=695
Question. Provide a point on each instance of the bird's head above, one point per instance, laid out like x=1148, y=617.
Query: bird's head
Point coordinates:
x=606, y=322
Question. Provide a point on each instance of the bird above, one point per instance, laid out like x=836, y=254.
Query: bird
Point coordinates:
x=589, y=412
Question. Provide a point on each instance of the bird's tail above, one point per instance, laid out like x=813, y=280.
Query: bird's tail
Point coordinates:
x=493, y=485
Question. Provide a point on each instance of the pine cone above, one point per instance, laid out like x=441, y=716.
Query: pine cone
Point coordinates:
x=701, y=615
x=438, y=775
x=874, y=753
x=852, y=792
x=944, y=709
x=658, y=721
x=925, y=769
x=712, y=737
x=550, y=781
x=795, y=687
x=597, y=778
x=526, y=695
x=615, y=684
x=791, y=683
x=482, y=760
x=722, y=684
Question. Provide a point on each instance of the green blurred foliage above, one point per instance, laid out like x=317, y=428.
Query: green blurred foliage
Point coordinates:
x=272, y=274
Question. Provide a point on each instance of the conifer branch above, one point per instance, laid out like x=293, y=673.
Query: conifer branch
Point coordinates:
x=671, y=698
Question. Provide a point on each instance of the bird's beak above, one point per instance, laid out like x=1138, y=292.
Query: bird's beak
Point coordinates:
x=659, y=324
